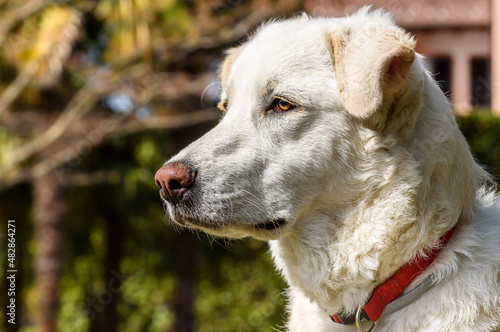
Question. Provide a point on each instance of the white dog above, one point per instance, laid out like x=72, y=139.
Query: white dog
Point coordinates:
x=339, y=148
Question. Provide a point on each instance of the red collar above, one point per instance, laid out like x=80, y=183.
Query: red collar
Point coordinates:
x=395, y=285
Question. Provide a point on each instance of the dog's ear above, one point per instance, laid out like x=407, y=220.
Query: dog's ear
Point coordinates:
x=371, y=65
x=231, y=56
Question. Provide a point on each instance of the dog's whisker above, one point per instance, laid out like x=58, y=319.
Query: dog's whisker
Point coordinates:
x=256, y=202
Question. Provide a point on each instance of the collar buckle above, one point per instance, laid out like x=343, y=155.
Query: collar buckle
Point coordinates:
x=358, y=322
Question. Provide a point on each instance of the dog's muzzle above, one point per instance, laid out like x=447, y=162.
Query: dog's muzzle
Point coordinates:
x=174, y=180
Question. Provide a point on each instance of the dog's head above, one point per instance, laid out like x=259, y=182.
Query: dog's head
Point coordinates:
x=318, y=116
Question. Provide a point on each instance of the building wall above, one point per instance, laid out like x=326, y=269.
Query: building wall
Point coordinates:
x=461, y=46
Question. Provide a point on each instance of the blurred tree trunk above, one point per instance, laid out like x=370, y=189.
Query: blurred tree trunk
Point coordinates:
x=116, y=217
x=49, y=207
x=186, y=247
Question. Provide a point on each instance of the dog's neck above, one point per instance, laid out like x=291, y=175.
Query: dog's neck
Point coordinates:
x=405, y=201
x=339, y=277
x=395, y=293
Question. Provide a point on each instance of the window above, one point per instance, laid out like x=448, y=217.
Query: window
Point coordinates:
x=441, y=69
x=481, y=83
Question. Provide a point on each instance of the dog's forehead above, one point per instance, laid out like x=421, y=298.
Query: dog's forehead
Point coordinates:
x=281, y=51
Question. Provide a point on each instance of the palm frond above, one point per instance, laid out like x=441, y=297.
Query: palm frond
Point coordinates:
x=128, y=25
x=59, y=28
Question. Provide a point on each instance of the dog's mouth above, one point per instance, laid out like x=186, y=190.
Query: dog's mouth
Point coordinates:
x=271, y=225
x=193, y=222
x=267, y=226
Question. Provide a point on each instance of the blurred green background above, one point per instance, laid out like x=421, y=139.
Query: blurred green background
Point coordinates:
x=94, y=97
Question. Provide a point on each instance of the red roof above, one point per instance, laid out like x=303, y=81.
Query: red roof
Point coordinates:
x=413, y=13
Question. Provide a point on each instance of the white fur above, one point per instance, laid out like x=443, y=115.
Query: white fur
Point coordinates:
x=367, y=175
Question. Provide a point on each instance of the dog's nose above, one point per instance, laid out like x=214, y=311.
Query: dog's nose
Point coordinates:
x=174, y=180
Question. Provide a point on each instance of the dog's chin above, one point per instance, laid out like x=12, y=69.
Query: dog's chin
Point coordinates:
x=268, y=230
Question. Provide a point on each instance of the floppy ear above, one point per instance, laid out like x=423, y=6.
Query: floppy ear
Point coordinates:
x=231, y=56
x=371, y=66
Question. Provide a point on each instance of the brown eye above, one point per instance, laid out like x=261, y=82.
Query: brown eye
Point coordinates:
x=282, y=106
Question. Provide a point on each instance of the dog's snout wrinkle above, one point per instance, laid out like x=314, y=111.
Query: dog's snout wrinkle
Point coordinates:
x=227, y=149
x=174, y=180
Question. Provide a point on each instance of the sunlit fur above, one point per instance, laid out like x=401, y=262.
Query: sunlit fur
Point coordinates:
x=368, y=170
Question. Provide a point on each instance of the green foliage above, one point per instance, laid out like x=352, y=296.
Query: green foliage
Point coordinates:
x=146, y=294
x=240, y=291
x=77, y=285
x=482, y=130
